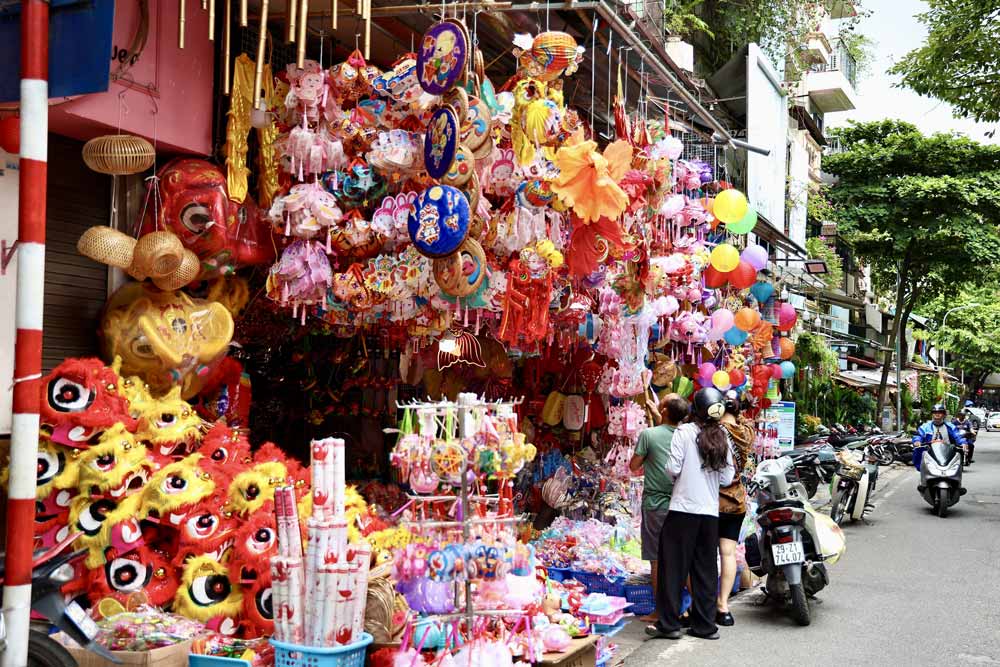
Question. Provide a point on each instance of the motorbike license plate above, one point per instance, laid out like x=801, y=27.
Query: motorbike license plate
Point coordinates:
x=786, y=554
x=86, y=624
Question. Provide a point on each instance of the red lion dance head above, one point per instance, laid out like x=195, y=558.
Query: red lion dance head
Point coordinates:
x=80, y=399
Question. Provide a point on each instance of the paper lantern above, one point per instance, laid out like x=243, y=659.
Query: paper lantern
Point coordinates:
x=736, y=337
x=119, y=154
x=743, y=276
x=755, y=256
x=737, y=377
x=744, y=225
x=10, y=134
x=786, y=348
x=787, y=369
x=730, y=206
x=721, y=380
x=724, y=257
x=762, y=291
x=684, y=386
x=714, y=278
x=707, y=369
x=787, y=317
x=746, y=319
x=722, y=320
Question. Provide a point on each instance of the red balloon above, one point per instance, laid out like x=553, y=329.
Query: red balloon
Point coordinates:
x=743, y=276
x=775, y=371
x=737, y=377
x=10, y=134
x=715, y=278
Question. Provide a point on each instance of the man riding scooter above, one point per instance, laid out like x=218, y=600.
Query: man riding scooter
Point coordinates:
x=938, y=428
x=967, y=428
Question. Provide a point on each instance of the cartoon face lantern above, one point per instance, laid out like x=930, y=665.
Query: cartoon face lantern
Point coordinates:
x=80, y=398
x=115, y=467
x=255, y=542
x=165, y=338
x=144, y=571
x=174, y=489
x=170, y=425
x=196, y=207
x=206, y=530
x=208, y=595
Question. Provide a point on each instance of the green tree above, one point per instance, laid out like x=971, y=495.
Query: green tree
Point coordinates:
x=960, y=62
x=818, y=249
x=923, y=212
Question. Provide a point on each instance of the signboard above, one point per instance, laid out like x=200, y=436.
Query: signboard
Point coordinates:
x=767, y=126
x=79, y=47
x=8, y=281
x=783, y=413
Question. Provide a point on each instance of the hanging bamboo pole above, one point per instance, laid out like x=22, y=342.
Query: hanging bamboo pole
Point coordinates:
x=303, y=24
x=211, y=20
x=181, y=20
x=261, y=40
x=227, y=41
x=333, y=14
x=243, y=13
x=368, y=27
x=292, y=9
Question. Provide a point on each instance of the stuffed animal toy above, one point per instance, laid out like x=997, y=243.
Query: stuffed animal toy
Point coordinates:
x=106, y=525
x=207, y=594
x=115, y=467
x=208, y=529
x=175, y=488
x=170, y=426
x=196, y=207
x=144, y=571
x=165, y=338
x=79, y=399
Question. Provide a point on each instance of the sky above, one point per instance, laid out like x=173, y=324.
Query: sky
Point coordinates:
x=895, y=29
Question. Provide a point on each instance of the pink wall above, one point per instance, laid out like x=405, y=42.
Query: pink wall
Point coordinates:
x=177, y=84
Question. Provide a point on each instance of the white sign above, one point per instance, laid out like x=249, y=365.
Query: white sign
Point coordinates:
x=8, y=281
x=767, y=127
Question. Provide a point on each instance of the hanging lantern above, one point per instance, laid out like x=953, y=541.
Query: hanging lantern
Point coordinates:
x=10, y=134
x=119, y=154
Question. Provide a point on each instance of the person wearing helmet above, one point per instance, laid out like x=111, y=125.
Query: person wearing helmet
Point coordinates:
x=938, y=428
x=967, y=428
x=700, y=462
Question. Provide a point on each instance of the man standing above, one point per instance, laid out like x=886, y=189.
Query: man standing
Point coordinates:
x=651, y=455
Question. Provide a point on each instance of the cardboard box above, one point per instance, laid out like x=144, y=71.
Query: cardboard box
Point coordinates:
x=581, y=653
x=168, y=656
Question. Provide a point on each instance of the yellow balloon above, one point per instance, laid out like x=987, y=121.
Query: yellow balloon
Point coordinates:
x=724, y=258
x=721, y=380
x=730, y=206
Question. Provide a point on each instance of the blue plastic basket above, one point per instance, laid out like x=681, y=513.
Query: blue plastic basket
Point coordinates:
x=642, y=599
x=196, y=660
x=559, y=573
x=291, y=655
x=598, y=583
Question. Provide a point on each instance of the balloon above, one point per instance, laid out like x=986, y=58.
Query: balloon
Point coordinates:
x=714, y=278
x=762, y=291
x=775, y=371
x=746, y=319
x=736, y=337
x=724, y=257
x=708, y=203
x=743, y=276
x=787, y=369
x=787, y=317
x=737, y=377
x=707, y=369
x=755, y=256
x=722, y=319
x=744, y=225
x=787, y=348
x=730, y=206
x=721, y=380
x=10, y=134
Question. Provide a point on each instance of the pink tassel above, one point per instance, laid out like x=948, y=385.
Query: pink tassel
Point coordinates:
x=477, y=321
x=329, y=247
x=302, y=318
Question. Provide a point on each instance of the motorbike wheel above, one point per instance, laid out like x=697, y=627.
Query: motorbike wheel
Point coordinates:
x=942, y=505
x=886, y=458
x=800, y=605
x=46, y=652
x=812, y=485
x=839, y=504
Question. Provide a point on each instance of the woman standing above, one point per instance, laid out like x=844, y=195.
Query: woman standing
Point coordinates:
x=732, y=505
x=700, y=462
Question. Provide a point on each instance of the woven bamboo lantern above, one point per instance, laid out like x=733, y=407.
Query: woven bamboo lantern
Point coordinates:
x=119, y=154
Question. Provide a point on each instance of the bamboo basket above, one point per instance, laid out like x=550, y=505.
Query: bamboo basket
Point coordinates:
x=119, y=154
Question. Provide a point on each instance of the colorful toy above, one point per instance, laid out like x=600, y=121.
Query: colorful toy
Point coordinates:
x=80, y=398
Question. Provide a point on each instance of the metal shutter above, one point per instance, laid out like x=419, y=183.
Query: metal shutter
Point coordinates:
x=75, y=287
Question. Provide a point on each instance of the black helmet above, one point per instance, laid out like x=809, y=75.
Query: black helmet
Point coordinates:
x=939, y=407
x=709, y=403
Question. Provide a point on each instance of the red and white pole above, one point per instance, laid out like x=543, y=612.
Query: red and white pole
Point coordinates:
x=28, y=320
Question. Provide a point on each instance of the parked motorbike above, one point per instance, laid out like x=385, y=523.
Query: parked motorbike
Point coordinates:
x=51, y=570
x=941, y=476
x=788, y=548
x=853, y=485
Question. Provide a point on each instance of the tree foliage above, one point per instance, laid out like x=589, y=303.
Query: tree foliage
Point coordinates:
x=922, y=211
x=960, y=62
x=818, y=249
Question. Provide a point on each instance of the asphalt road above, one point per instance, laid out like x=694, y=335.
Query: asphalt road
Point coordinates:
x=912, y=589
